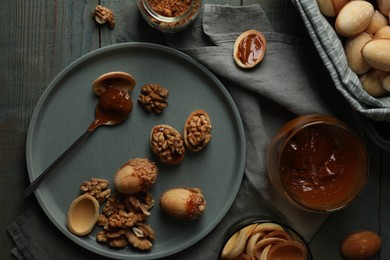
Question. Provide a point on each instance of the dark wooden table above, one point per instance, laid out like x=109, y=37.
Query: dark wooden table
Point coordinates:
x=40, y=38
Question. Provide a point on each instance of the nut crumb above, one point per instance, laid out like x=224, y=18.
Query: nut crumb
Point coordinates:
x=97, y=188
x=123, y=221
x=170, y=8
x=104, y=15
x=153, y=98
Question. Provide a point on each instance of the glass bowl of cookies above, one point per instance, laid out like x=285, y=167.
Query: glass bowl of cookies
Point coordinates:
x=259, y=237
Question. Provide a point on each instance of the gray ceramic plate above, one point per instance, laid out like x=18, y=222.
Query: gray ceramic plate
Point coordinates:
x=67, y=107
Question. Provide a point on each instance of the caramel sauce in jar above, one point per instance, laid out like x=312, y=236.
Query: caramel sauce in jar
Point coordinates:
x=318, y=163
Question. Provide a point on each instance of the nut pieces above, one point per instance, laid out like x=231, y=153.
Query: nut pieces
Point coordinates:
x=104, y=15
x=183, y=203
x=115, y=79
x=249, y=49
x=167, y=144
x=123, y=216
x=123, y=221
x=97, y=188
x=197, y=130
x=153, y=98
x=135, y=176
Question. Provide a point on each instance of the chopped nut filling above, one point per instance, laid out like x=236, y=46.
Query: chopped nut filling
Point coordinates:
x=97, y=188
x=170, y=8
x=123, y=221
x=197, y=130
x=167, y=144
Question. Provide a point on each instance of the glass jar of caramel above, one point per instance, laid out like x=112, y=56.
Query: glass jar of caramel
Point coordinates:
x=318, y=163
x=170, y=16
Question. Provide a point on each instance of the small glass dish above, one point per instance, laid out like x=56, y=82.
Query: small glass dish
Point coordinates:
x=318, y=163
x=259, y=237
x=165, y=16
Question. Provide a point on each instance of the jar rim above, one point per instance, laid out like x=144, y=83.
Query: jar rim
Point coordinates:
x=167, y=19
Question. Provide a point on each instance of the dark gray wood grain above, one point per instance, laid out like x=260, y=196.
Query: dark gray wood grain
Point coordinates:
x=38, y=40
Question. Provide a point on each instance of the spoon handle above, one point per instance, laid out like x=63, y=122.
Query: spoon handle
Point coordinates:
x=34, y=185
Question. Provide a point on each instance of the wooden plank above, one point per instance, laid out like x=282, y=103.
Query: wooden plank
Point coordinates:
x=38, y=39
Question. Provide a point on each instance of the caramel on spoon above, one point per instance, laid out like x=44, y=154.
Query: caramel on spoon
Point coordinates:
x=113, y=108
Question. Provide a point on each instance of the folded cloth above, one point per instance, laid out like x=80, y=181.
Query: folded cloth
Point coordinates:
x=330, y=49
x=290, y=81
x=37, y=238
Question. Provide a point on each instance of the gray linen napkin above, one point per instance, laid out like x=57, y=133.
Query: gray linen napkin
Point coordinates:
x=290, y=81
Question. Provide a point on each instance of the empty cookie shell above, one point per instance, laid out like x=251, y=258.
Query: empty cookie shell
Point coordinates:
x=82, y=215
x=249, y=49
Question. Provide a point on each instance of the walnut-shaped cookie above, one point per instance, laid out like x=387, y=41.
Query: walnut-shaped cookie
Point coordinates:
x=183, y=203
x=136, y=175
x=197, y=130
x=167, y=144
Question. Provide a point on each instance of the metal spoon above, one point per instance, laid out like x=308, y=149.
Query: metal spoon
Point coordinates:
x=113, y=108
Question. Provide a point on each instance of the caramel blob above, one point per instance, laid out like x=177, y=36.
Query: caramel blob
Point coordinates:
x=114, y=107
x=249, y=49
x=318, y=169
